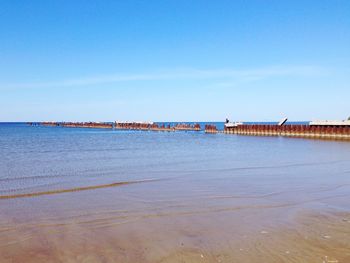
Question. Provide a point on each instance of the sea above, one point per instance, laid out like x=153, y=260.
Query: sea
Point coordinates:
x=38, y=158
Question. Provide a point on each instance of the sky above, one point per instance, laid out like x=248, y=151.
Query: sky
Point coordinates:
x=174, y=60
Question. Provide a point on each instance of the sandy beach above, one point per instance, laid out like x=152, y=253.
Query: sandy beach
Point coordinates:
x=121, y=227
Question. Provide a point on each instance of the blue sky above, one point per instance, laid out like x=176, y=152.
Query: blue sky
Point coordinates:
x=178, y=60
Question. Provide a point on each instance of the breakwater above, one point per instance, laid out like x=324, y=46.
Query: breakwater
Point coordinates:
x=125, y=126
x=305, y=131
x=296, y=130
x=156, y=127
x=209, y=128
x=101, y=125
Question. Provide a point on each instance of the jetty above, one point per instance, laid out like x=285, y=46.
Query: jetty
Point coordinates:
x=209, y=128
x=103, y=125
x=145, y=126
x=334, y=130
x=151, y=126
x=318, y=130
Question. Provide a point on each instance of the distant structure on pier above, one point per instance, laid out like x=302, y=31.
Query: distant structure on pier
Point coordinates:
x=331, y=123
x=233, y=124
x=282, y=122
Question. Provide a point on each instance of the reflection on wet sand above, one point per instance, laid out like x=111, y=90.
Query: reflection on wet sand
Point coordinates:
x=114, y=229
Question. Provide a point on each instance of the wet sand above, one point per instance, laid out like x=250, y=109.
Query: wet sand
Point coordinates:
x=116, y=225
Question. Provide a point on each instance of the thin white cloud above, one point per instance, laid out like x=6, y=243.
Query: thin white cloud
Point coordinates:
x=179, y=74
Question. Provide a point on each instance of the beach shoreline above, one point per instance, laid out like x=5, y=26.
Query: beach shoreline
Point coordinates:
x=85, y=195
x=242, y=235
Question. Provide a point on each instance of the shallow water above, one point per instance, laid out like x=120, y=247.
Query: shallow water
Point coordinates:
x=92, y=195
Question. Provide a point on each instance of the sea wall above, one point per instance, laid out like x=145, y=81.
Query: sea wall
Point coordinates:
x=306, y=131
x=210, y=129
x=101, y=125
x=125, y=126
x=157, y=127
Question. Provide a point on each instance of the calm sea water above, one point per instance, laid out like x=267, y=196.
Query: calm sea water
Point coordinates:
x=35, y=159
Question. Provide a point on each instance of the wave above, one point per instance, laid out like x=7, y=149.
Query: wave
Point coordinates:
x=75, y=189
x=74, y=150
x=89, y=172
x=292, y=165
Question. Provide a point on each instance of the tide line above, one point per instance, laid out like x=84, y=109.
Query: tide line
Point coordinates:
x=75, y=189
